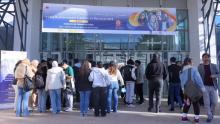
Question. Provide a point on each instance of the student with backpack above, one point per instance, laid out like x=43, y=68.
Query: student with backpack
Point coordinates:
x=129, y=81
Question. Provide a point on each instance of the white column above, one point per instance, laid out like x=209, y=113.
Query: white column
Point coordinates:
x=196, y=32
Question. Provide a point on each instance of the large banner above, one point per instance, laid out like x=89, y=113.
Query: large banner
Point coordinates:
x=8, y=59
x=67, y=18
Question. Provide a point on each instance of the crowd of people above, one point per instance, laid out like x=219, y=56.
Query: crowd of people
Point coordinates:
x=98, y=87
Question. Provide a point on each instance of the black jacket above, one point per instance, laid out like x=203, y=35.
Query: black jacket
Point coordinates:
x=174, y=71
x=155, y=70
x=83, y=82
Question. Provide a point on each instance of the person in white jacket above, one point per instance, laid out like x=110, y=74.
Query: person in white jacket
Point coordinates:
x=114, y=76
x=54, y=82
x=99, y=77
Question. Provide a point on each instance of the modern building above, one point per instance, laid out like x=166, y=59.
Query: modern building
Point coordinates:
x=188, y=41
x=22, y=21
x=194, y=34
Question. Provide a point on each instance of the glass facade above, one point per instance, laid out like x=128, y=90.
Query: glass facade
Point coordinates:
x=118, y=47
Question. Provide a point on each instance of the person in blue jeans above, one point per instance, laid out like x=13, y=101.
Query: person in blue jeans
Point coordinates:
x=54, y=82
x=85, y=87
x=174, y=83
x=23, y=69
x=40, y=81
x=114, y=75
x=23, y=98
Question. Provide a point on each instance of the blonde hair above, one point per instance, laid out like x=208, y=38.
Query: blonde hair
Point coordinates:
x=26, y=61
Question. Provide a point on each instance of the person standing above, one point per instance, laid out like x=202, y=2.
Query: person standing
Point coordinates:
x=40, y=80
x=138, y=75
x=70, y=86
x=129, y=81
x=174, y=83
x=33, y=97
x=99, y=78
x=84, y=87
x=155, y=73
x=24, y=68
x=14, y=85
x=114, y=76
x=209, y=73
x=196, y=78
x=54, y=82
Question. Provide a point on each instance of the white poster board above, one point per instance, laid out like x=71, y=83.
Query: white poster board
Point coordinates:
x=8, y=59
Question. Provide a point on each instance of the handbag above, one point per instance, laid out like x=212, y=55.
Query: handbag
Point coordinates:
x=191, y=90
x=14, y=81
x=28, y=84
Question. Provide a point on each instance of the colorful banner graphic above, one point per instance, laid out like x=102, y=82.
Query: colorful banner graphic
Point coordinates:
x=67, y=18
x=8, y=59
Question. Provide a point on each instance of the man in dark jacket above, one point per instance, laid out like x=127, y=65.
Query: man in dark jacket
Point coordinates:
x=155, y=73
x=129, y=81
x=174, y=83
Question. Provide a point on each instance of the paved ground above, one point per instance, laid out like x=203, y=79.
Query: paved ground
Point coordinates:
x=137, y=115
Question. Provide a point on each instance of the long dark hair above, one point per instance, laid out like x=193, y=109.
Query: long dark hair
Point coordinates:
x=186, y=61
x=85, y=68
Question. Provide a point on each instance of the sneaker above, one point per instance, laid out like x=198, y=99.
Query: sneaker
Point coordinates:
x=185, y=119
x=158, y=111
x=196, y=121
x=68, y=110
x=209, y=119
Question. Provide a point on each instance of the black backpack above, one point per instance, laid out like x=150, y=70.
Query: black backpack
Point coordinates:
x=38, y=82
x=126, y=73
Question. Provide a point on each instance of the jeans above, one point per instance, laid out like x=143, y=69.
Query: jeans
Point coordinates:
x=22, y=104
x=112, y=89
x=129, y=92
x=210, y=97
x=67, y=99
x=155, y=86
x=84, y=101
x=174, y=93
x=99, y=97
x=15, y=87
x=42, y=96
x=55, y=99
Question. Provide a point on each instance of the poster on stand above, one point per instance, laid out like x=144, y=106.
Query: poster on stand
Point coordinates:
x=8, y=59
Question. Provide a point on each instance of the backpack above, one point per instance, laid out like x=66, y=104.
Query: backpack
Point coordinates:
x=126, y=73
x=191, y=90
x=38, y=82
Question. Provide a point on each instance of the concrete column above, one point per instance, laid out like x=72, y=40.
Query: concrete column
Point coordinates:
x=33, y=29
x=194, y=40
x=196, y=32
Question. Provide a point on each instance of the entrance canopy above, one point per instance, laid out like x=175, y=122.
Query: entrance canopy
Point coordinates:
x=67, y=18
